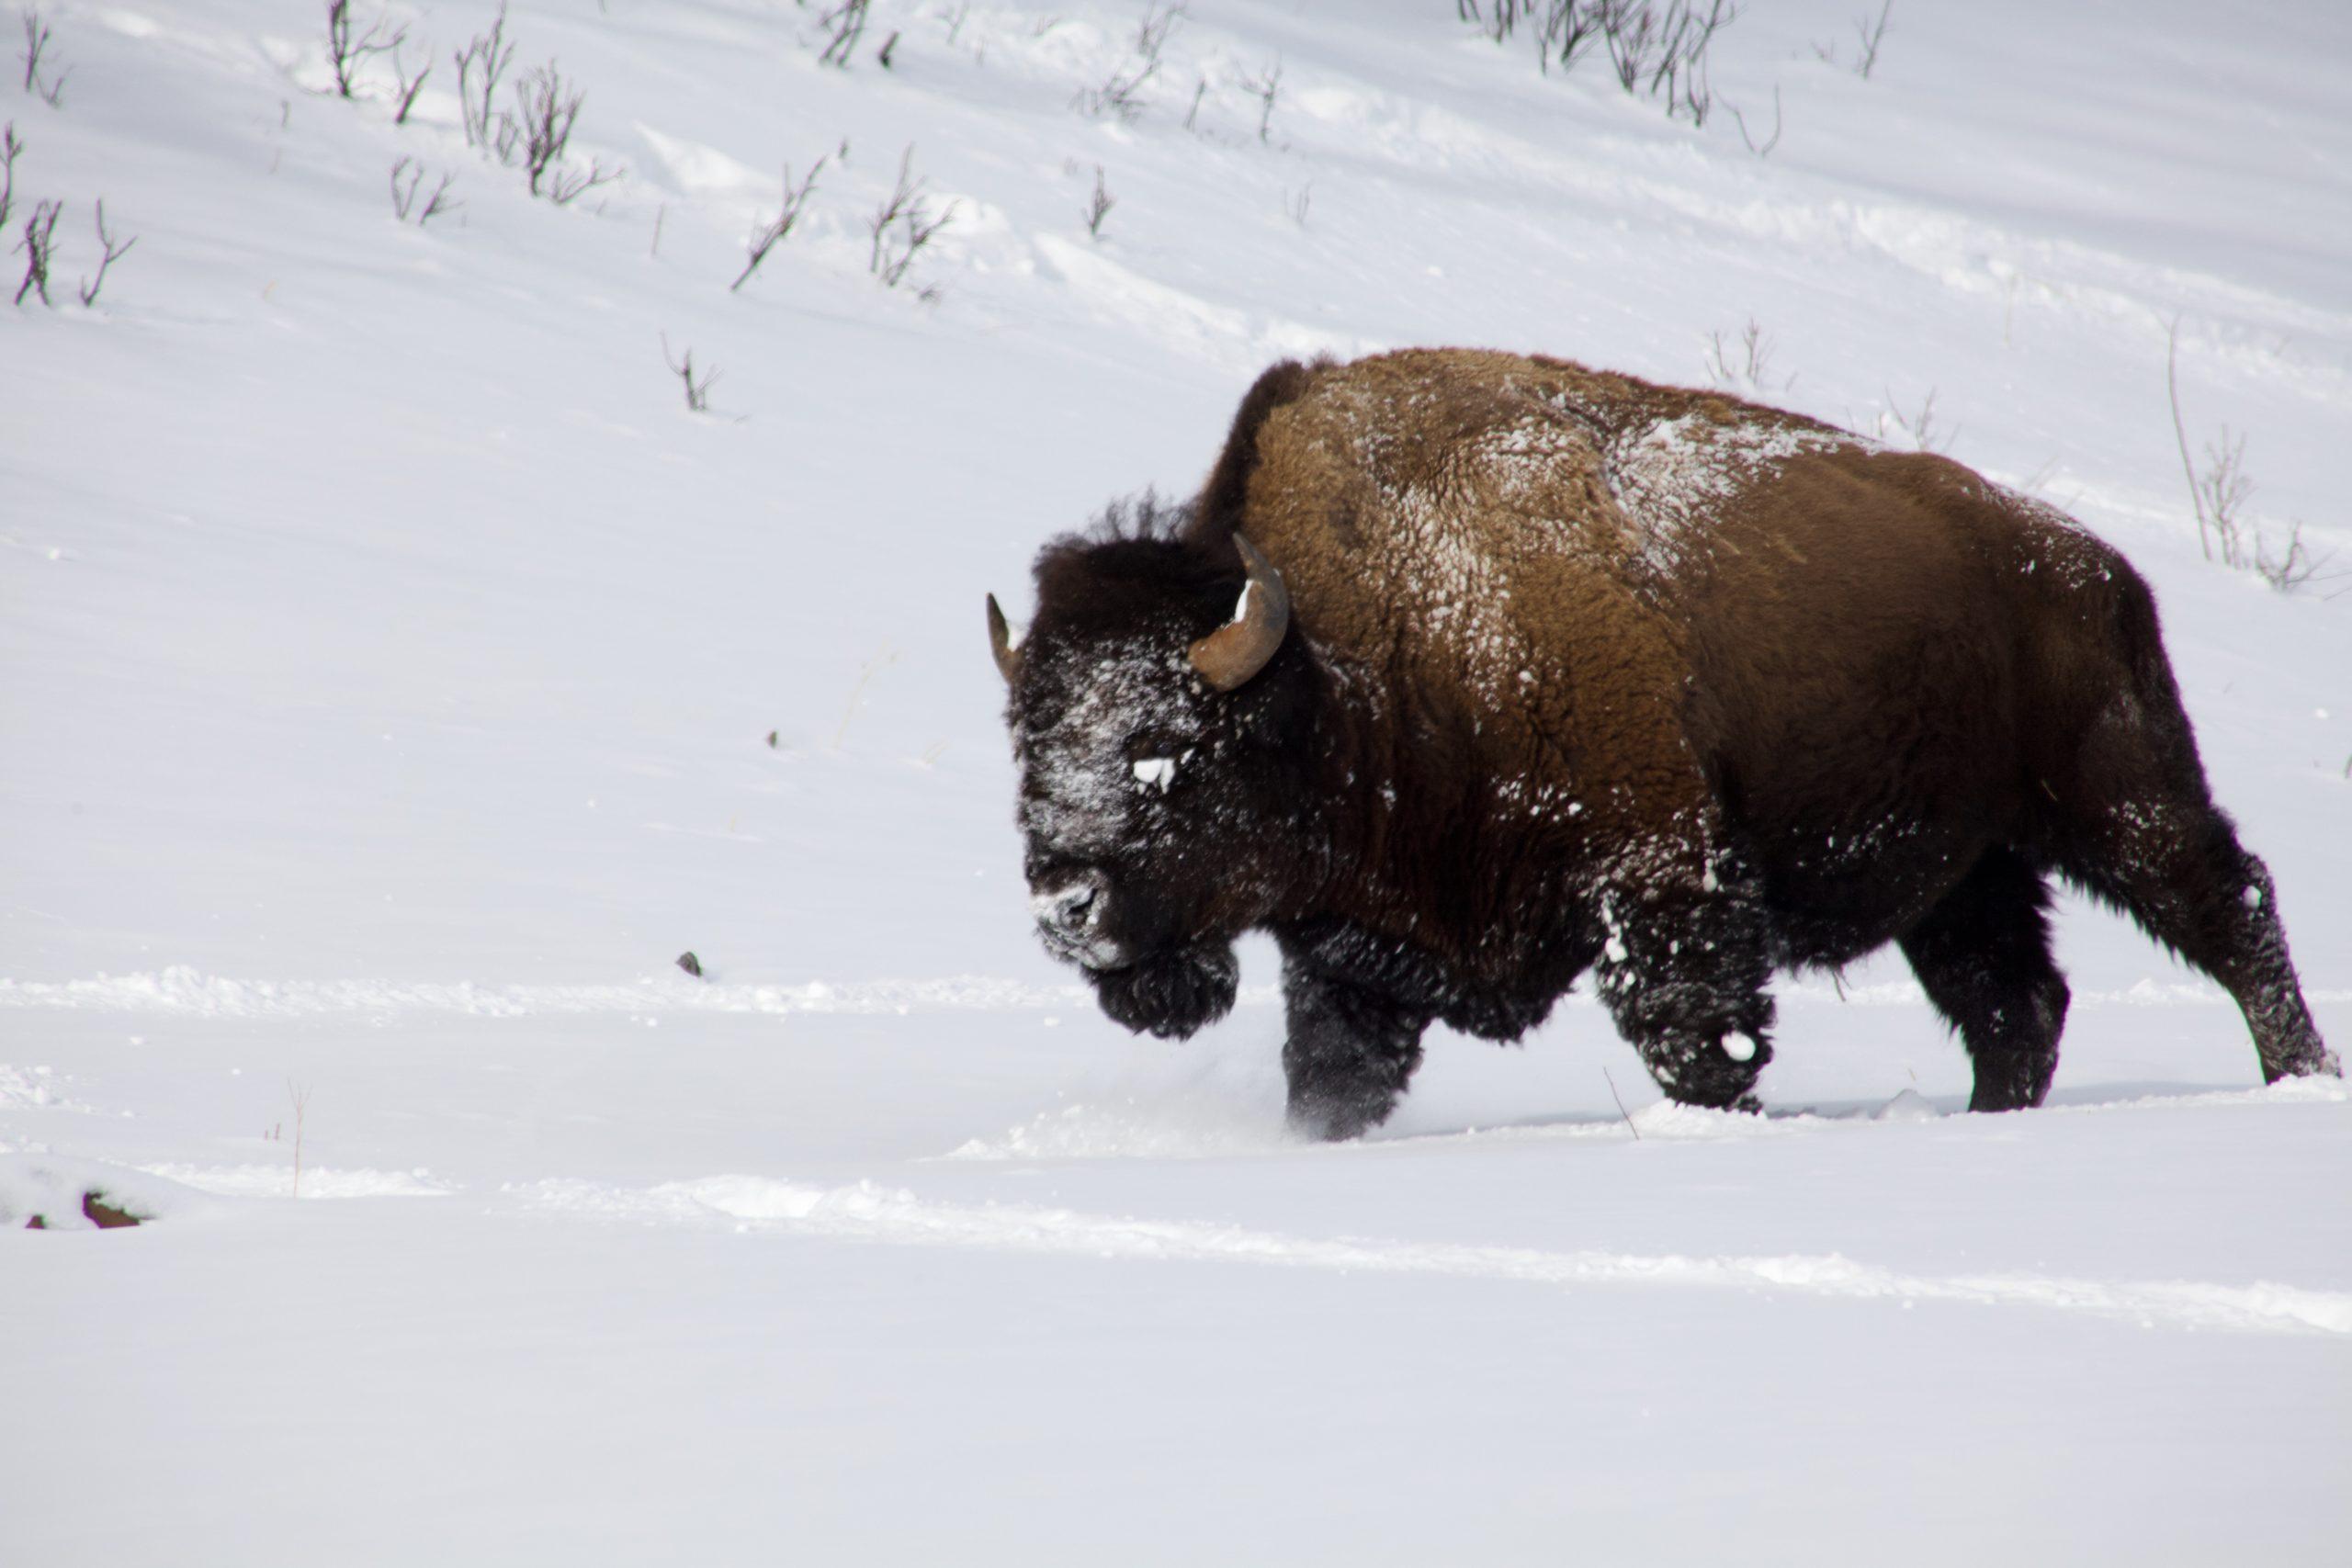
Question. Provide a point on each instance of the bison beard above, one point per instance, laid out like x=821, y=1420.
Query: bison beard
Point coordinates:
x=1173, y=996
x=1543, y=672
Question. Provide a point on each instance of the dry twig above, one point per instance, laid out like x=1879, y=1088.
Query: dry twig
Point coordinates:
x=348, y=48
x=771, y=234
x=40, y=230
x=111, y=254
x=697, y=386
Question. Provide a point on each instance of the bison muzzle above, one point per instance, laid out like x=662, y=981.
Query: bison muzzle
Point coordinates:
x=1467, y=672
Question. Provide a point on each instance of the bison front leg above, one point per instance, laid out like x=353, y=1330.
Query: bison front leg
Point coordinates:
x=1350, y=1053
x=1684, y=979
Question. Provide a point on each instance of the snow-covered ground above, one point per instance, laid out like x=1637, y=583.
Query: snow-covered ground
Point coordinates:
x=388, y=667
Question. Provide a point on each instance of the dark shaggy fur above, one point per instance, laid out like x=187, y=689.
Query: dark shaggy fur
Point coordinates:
x=1585, y=673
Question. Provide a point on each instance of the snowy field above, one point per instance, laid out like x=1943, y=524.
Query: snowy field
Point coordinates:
x=396, y=677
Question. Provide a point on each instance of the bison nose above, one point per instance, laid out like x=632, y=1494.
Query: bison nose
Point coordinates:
x=1075, y=907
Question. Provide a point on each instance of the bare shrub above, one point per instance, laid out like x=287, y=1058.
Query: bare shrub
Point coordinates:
x=349, y=47
x=40, y=230
x=1654, y=50
x=697, y=386
x=773, y=233
x=889, y=46
x=844, y=25
x=903, y=226
x=2219, y=492
x=551, y=107
x=406, y=207
x=1160, y=22
x=1266, y=87
x=1098, y=206
x=480, y=65
x=1920, y=428
x=1868, y=34
x=2292, y=568
x=1119, y=95
x=37, y=37
x=110, y=253
x=1746, y=362
x=409, y=86
x=2222, y=488
x=9, y=148
x=1765, y=148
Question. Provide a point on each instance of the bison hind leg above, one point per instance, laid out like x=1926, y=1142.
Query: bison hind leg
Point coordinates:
x=1982, y=955
x=2136, y=827
x=2182, y=875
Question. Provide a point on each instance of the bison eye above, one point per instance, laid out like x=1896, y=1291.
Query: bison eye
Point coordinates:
x=1155, y=772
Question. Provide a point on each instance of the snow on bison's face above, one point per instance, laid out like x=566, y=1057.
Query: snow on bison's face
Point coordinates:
x=1152, y=769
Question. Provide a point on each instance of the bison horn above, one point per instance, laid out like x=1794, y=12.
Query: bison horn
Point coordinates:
x=1007, y=657
x=1230, y=655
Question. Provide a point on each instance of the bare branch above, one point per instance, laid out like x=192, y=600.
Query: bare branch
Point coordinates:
x=697, y=386
x=1750, y=367
x=847, y=24
x=1770, y=141
x=771, y=234
x=1655, y=49
x=9, y=148
x=404, y=199
x=1120, y=94
x=566, y=186
x=1160, y=22
x=541, y=134
x=348, y=48
x=1266, y=87
x=39, y=231
x=1099, y=205
x=551, y=107
x=37, y=35
x=112, y=254
x=410, y=86
x=1868, y=34
x=903, y=226
x=1621, y=1106
x=1920, y=428
x=480, y=65
x=2180, y=434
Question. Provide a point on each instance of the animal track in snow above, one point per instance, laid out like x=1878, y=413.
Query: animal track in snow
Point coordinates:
x=868, y=1212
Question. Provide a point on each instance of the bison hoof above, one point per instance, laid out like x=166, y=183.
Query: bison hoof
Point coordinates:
x=2012, y=1080
x=1336, y=1122
x=1172, y=996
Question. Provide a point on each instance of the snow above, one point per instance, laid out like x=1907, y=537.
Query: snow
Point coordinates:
x=390, y=662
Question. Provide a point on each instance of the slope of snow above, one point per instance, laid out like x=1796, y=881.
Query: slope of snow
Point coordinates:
x=390, y=662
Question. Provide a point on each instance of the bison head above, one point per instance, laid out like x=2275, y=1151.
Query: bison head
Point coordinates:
x=1158, y=720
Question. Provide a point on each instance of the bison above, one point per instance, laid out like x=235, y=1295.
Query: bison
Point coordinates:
x=1466, y=673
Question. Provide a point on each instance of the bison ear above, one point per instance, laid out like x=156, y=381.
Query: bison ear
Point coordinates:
x=1007, y=657
x=1230, y=655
